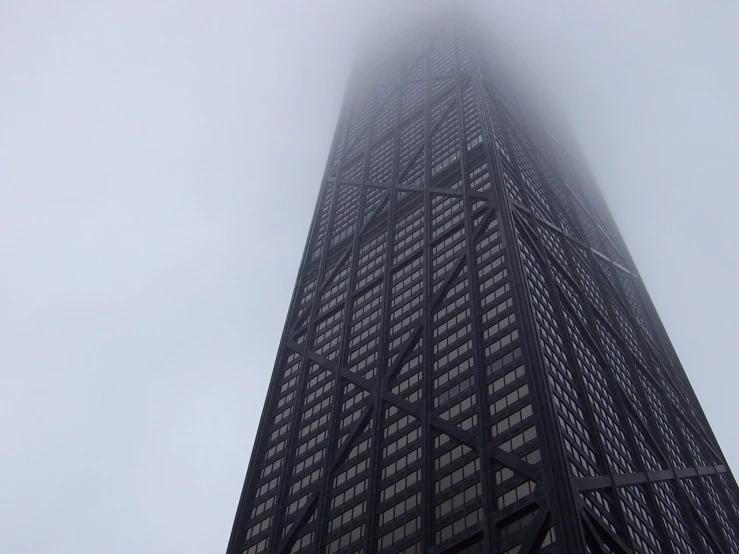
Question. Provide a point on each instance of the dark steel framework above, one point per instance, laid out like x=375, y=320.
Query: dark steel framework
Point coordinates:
x=471, y=362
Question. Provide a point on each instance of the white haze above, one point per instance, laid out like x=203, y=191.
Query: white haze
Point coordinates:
x=159, y=163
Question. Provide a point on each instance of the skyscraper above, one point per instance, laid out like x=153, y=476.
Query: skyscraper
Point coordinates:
x=471, y=362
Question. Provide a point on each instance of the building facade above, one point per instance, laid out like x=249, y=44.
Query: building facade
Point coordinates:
x=471, y=362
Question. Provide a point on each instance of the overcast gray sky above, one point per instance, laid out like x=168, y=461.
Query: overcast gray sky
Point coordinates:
x=159, y=163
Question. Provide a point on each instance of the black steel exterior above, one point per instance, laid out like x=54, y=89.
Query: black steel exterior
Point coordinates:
x=471, y=362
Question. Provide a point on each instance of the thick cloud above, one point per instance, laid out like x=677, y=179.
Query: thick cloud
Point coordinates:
x=158, y=165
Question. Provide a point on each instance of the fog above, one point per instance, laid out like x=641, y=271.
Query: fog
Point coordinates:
x=159, y=163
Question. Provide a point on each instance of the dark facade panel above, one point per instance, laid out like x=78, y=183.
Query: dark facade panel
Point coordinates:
x=471, y=362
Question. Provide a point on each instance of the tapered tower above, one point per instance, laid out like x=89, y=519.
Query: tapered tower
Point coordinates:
x=471, y=362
